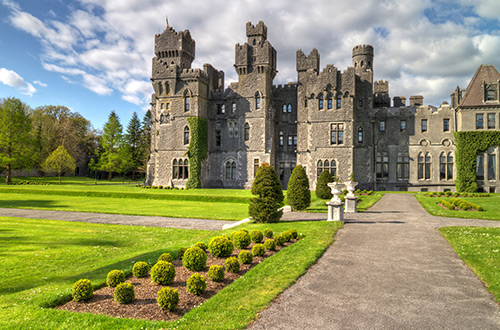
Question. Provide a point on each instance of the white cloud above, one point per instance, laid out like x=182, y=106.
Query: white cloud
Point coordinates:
x=12, y=79
x=39, y=83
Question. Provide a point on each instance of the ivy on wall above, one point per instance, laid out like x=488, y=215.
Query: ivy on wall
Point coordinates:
x=197, y=150
x=469, y=144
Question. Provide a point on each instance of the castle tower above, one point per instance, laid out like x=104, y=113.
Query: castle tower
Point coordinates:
x=175, y=48
x=362, y=57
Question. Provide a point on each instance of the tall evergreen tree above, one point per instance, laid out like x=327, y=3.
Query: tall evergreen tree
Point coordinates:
x=322, y=189
x=15, y=137
x=145, y=145
x=133, y=138
x=111, y=158
x=298, y=195
x=265, y=207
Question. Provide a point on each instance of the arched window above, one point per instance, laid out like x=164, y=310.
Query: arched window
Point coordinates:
x=330, y=101
x=378, y=165
x=427, y=175
x=333, y=168
x=175, y=169
x=319, y=168
x=186, y=169
x=230, y=170
x=339, y=101
x=257, y=100
x=320, y=102
x=254, y=42
x=446, y=166
x=385, y=166
x=424, y=166
x=186, y=135
x=284, y=108
x=402, y=166
x=282, y=139
x=187, y=101
x=360, y=134
x=247, y=132
x=289, y=108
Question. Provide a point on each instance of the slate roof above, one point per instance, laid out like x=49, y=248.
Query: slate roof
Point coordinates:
x=474, y=95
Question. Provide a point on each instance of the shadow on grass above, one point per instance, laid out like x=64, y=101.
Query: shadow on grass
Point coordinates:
x=27, y=203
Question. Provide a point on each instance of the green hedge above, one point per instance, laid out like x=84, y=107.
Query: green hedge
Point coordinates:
x=197, y=150
x=469, y=144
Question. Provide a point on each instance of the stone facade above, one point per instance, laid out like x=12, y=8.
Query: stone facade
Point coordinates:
x=341, y=121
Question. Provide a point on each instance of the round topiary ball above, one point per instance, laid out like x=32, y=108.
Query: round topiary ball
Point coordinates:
x=244, y=229
x=165, y=257
x=180, y=252
x=194, y=259
x=163, y=273
x=241, y=239
x=232, y=265
x=140, y=269
x=256, y=236
x=270, y=244
x=168, y=298
x=220, y=246
x=245, y=257
x=196, y=284
x=258, y=250
x=280, y=240
x=82, y=290
x=294, y=233
x=268, y=232
x=216, y=273
x=202, y=246
x=287, y=235
x=124, y=293
x=115, y=277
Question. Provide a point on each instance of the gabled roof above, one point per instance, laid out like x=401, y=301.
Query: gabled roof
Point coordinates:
x=474, y=95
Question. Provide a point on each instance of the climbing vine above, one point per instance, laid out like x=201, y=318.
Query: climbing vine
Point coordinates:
x=197, y=150
x=469, y=144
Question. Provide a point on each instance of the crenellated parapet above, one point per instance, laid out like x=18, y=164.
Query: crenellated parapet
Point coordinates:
x=309, y=62
x=260, y=29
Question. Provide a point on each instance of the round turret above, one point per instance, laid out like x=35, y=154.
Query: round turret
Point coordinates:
x=362, y=57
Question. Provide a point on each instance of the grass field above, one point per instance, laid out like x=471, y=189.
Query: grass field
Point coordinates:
x=479, y=247
x=41, y=259
x=490, y=204
x=319, y=205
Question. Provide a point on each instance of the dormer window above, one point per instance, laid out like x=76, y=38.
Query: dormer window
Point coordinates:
x=491, y=95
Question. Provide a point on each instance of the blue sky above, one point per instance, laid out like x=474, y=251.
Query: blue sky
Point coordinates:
x=94, y=56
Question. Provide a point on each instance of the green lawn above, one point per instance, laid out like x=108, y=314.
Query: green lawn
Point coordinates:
x=319, y=205
x=41, y=259
x=490, y=204
x=479, y=247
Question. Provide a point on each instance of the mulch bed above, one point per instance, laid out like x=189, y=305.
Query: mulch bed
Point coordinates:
x=145, y=306
x=456, y=208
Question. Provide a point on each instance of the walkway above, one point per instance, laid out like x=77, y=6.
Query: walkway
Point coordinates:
x=388, y=269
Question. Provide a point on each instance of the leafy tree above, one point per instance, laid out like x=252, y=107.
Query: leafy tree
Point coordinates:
x=322, y=189
x=59, y=161
x=265, y=207
x=145, y=143
x=15, y=138
x=112, y=158
x=298, y=195
x=133, y=138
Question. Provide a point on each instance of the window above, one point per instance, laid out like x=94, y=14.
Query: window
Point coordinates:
x=333, y=168
x=186, y=169
x=480, y=167
x=491, y=120
x=284, y=108
x=290, y=140
x=187, y=102
x=295, y=140
x=254, y=42
x=175, y=169
x=360, y=134
x=446, y=125
x=281, y=171
x=255, y=166
x=186, y=135
x=378, y=166
x=319, y=168
x=427, y=168
x=402, y=125
x=233, y=107
x=282, y=142
x=423, y=125
x=403, y=166
x=330, y=101
x=479, y=120
x=385, y=166
x=218, y=138
x=326, y=165
x=180, y=169
x=337, y=134
x=381, y=126
x=446, y=166
x=339, y=101
x=246, y=132
x=221, y=109
x=360, y=103
x=230, y=126
x=168, y=106
x=320, y=102
x=162, y=106
x=289, y=108
x=305, y=103
x=257, y=101
x=490, y=95
x=492, y=167
x=230, y=170
x=424, y=166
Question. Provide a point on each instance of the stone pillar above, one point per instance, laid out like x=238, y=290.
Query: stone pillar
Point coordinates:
x=335, y=211
x=350, y=204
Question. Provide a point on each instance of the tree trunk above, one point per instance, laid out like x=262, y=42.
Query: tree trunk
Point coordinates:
x=109, y=175
x=8, y=179
x=133, y=175
x=59, y=178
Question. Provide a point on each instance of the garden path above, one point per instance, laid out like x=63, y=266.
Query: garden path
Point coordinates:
x=388, y=269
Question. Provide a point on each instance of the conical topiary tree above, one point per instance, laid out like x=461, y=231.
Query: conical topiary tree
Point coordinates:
x=298, y=195
x=269, y=195
x=322, y=189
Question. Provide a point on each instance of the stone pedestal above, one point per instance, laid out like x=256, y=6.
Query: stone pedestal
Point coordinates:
x=335, y=211
x=350, y=204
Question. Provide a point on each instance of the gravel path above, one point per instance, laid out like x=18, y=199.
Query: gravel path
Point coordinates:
x=388, y=269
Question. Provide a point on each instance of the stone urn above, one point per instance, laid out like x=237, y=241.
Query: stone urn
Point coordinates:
x=350, y=185
x=336, y=188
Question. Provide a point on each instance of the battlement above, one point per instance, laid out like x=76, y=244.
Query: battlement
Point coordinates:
x=381, y=86
x=362, y=50
x=260, y=29
x=311, y=61
x=292, y=86
x=193, y=74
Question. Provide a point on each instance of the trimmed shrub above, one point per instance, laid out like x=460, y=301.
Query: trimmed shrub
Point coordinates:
x=140, y=269
x=220, y=246
x=280, y=240
x=168, y=298
x=82, y=290
x=294, y=233
x=268, y=232
x=180, y=252
x=322, y=189
x=124, y=293
x=245, y=257
x=258, y=250
x=115, y=277
x=232, y=265
x=265, y=207
x=241, y=239
x=165, y=257
x=298, y=195
x=256, y=236
x=195, y=259
x=216, y=273
x=202, y=246
x=245, y=230
x=270, y=244
x=163, y=273
x=287, y=236
x=196, y=284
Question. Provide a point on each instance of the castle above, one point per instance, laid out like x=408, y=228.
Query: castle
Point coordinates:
x=342, y=122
